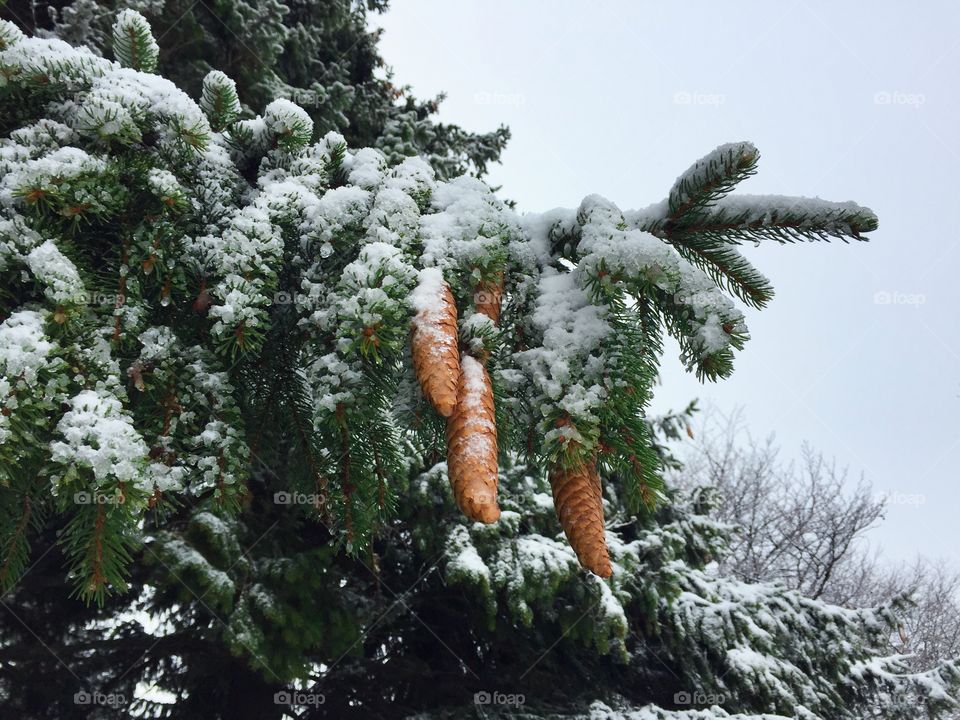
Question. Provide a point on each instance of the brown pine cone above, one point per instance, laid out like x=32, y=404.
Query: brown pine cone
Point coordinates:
x=488, y=296
x=578, y=500
x=472, y=444
x=434, y=341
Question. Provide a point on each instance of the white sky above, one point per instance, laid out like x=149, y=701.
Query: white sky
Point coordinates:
x=848, y=101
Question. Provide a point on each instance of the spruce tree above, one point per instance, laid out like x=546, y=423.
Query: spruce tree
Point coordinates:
x=314, y=410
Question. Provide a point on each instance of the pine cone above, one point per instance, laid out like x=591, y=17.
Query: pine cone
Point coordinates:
x=436, y=357
x=488, y=295
x=472, y=444
x=578, y=500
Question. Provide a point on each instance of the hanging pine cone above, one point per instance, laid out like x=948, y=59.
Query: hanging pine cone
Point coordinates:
x=488, y=295
x=578, y=500
x=436, y=357
x=472, y=444
x=203, y=300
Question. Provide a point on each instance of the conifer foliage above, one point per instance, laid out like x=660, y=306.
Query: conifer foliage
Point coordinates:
x=321, y=55
x=128, y=193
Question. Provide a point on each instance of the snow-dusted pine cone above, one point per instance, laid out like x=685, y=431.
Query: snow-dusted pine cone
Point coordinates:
x=434, y=341
x=472, y=444
x=578, y=500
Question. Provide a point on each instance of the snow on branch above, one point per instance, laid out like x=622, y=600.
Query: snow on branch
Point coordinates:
x=783, y=218
x=133, y=43
x=709, y=179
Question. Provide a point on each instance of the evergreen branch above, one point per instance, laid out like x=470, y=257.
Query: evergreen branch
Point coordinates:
x=133, y=43
x=98, y=540
x=335, y=175
x=121, y=291
x=16, y=547
x=782, y=218
x=219, y=100
x=10, y=34
x=95, y=553
x=346, y=485
x=289, y=124
x=563, y=233
x=726, y=266
x=706, y=347
x=627, y=449
x=304, y=428
x=709, y=179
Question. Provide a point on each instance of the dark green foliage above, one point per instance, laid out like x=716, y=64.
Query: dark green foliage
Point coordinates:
x=320, y=55
x=133, y=43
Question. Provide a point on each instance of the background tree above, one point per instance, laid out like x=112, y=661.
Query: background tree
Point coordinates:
x=800, y=523
x=805, y=526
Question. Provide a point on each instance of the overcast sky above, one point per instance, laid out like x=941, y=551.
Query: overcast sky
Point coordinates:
x=859, y=352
